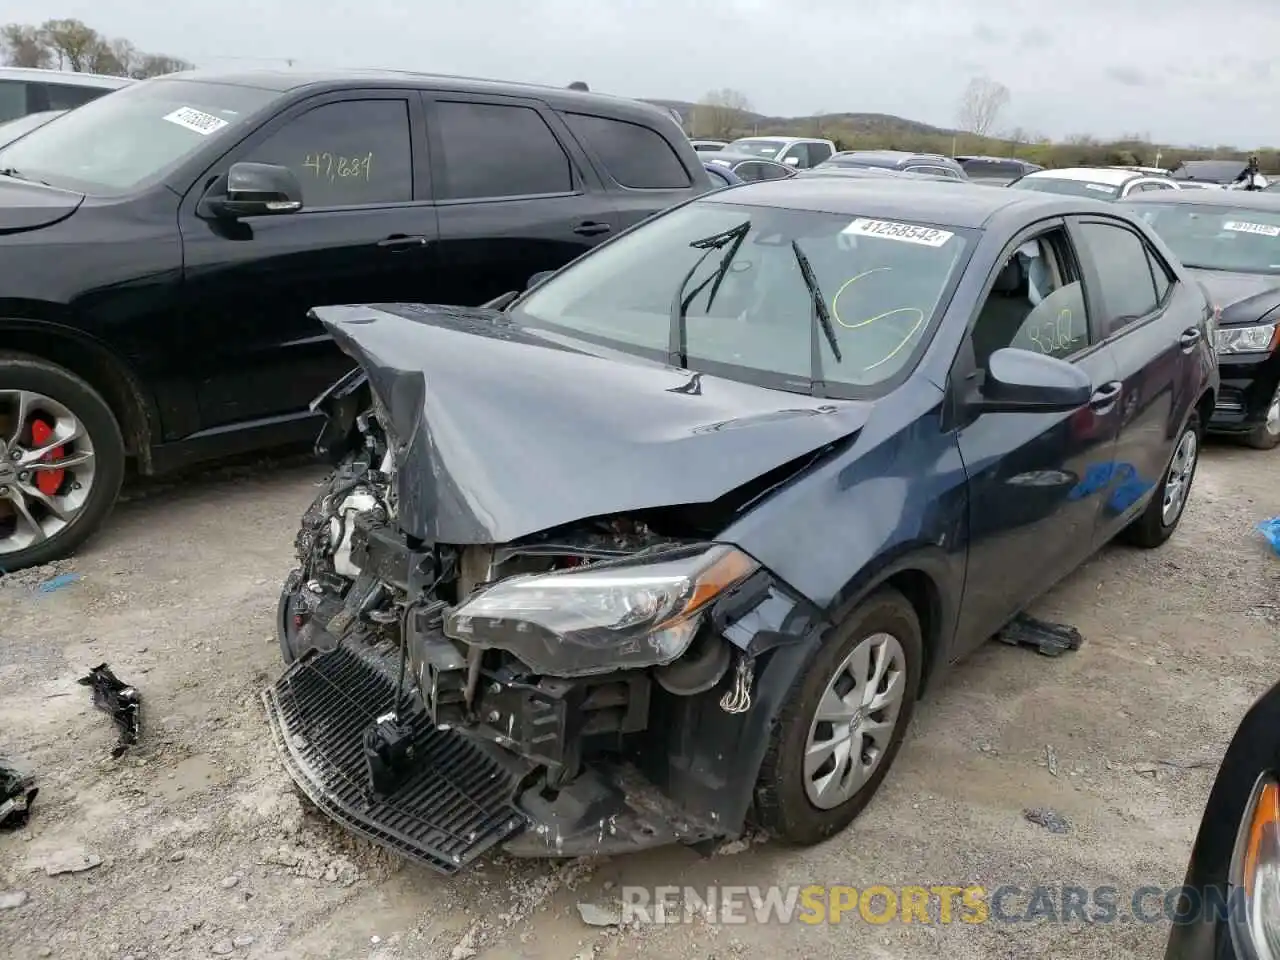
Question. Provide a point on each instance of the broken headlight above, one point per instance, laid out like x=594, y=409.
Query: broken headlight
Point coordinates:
x=607, y=617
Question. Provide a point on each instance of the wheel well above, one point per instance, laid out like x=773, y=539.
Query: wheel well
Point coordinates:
x=101, y=371
x=922, y=593
x=1205, y=407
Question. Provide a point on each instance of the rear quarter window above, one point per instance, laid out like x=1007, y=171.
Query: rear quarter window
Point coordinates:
x=633, y=155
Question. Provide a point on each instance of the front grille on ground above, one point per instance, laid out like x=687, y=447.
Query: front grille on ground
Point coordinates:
x=458, y=804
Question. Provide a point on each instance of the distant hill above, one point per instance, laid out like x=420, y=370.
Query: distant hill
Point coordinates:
x=869, y=124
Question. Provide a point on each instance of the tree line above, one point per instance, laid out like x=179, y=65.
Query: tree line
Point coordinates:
x=73, y=45
x=726, y=114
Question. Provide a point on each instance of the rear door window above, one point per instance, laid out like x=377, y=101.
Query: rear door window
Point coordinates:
x=13, y=99
x=499, y=150
x=66, y=96
x=1124, y=273
x=633, y=155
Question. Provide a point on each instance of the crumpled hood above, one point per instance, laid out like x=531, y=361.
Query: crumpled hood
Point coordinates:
x=29, y=206
x=503, y=433
x=1242, y=297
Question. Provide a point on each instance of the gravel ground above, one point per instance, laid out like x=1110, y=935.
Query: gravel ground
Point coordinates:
x=206, y=850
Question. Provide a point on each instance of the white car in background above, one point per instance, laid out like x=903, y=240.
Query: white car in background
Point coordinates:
x=1103, y=183
x=799, y=152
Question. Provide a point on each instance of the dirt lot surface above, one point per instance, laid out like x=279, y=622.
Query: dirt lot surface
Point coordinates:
x=206, y=850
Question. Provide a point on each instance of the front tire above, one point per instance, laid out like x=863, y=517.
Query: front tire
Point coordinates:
x=1266, y=435
x=47, y=510
x=1169, y=501
x=843, y=722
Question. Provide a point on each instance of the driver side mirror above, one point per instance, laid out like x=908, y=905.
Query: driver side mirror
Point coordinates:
x=792, y=161
x=1020, y=381
x=256, y=190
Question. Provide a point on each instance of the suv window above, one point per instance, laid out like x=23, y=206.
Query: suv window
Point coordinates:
x=1035, y=304
x=13, y=99
x=635, y=156
x=818, y=152
x=1124, y=273
x=67, y=96
x=935, y=171
x=347, y=153
x=499, y=150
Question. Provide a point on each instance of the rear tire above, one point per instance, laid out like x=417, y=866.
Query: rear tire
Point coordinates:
x=20, y=372
x=1156, y=525
x=784, y=803
x=1266, y=435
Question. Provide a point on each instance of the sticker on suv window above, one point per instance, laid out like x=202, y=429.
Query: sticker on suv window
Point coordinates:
x=1100, y=187
x=1263, y=229
x=902, y=232
x=196, y=120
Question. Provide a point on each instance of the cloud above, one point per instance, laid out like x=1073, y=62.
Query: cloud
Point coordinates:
x=1128, y=76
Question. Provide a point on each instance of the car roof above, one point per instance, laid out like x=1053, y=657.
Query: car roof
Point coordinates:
x=917, y=199
x=733, y=156
x=64, y=77
x=291, y=80
x=852, y=172
x=1257, y=199
x=1107, y=175
x=784, y=139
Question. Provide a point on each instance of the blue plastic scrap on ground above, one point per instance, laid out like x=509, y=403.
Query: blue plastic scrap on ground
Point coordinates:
x=1271, y=530
x=58, y=582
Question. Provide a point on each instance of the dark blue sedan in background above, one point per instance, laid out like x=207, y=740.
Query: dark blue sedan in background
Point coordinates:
x=674, y=542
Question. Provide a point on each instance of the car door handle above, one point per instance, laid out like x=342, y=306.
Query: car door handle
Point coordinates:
x=1189, y=338
x=591, y=228
x=1105, y=395
x=402, y=242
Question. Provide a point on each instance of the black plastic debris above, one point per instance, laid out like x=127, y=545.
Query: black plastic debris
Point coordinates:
x=112, y=695
x=17, y=793
x=1051, y=820
x=1048, y=639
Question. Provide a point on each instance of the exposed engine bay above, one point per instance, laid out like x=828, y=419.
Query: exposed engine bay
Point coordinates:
x=580, y=677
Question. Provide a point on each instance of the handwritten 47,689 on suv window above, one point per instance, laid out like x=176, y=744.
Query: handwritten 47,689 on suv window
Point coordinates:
x=335, y=166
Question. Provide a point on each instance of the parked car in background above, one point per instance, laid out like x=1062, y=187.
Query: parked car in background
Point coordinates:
x=871, y=173
x=26, y=90
x=721, y=176
x=749, y=168
x=1001, y=170
x=1220, y=173
x=1101, y=183
x=799, y=152
x=11, y=130
x=804, y=444
x=160, y=249
x=709, y=146
x=1231, y=906
x=931, y=163
x=1229, y=240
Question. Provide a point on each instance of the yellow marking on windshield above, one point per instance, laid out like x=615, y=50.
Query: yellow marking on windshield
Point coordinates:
x=835, y=313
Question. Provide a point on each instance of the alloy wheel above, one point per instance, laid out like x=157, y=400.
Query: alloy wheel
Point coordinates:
x=1181, y=469
x=46, y=469
x=855, y=720
x=1272, y=423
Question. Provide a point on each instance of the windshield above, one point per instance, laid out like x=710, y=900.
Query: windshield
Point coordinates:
x=1212, y=237
x=1071, y=188
x=130, y=137
x=773, y=296
x=758, y=148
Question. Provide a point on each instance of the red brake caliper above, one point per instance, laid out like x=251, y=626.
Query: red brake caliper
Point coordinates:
x=47, y=481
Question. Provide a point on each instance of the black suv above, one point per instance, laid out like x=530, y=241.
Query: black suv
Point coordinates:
x=160, y=249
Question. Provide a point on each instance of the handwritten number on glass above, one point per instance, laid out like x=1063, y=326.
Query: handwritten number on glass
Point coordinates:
x=334, y=167
x=1053, y=336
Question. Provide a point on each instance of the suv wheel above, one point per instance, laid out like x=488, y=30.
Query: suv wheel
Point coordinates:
x=61, y=461
x=1266, y=435
x=843, y=722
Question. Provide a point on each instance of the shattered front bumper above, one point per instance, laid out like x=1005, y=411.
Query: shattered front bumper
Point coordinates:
x=464, y=795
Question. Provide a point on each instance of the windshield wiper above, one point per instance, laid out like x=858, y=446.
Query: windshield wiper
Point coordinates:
x=18, y=175
x=676, y=346
x=820, y=311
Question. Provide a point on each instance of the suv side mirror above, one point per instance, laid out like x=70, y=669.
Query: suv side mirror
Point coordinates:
x=792, y=161
x=1020, y=381
x=256, y=190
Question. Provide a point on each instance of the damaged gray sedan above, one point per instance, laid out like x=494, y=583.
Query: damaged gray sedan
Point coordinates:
x=670, y=544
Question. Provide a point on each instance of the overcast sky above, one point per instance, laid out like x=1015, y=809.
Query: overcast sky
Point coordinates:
x=1182, y=71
